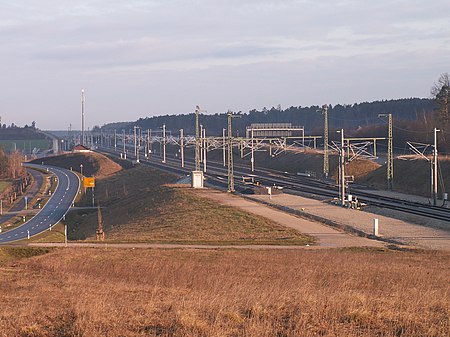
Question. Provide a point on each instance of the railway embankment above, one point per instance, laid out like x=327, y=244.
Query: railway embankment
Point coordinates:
x=408, y=231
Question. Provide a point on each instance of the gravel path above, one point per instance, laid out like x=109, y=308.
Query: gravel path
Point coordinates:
x=389, y=228
x=326, y=235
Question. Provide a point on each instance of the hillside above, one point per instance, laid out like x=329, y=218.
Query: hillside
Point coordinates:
x=14, y=133
x=94, y=164
x=410, y=176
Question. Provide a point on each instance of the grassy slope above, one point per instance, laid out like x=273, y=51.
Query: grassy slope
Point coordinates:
x=4, y=184
x=410, y=176
x=94, y=164
x=137, y=207
x=76, y=292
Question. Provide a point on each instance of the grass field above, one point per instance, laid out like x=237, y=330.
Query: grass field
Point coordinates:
x=4, y=184
x=87, y=292
x=138, y=207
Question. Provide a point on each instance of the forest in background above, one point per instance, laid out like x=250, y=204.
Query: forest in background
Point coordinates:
x=340, y=116
x=414, y=120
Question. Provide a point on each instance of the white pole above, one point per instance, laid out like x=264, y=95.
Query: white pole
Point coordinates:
x=115, y=140
x=65, y=235
x=435, y=169
x=135, y=153
x=28, y=234
x=204, y=150
x=253, y=156
x=224, y=148
x=82, y=116
x=164, y=142
x=201, y=144
x=375, y=227
x=124, y=148
x=182, y=147
x=342, y=170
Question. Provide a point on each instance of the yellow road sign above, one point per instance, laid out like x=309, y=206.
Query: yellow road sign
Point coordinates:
x=89, y=182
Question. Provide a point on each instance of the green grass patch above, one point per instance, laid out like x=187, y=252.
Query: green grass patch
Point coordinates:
x=4, y=184
x=8, y=254
x=137, y=207
x=56, y=235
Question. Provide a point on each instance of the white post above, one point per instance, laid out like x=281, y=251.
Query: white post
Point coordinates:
x=224, y=148
x=65, y=235
x=135, y=143
x=204, y=150
x=124, y=148
x=182, y=147
x=201, y=144
x=164, y=141
x=115, y=140
x=28, y=234
x=253, y=158
x=375, y=227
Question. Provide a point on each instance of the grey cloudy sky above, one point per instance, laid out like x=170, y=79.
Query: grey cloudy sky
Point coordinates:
x=137, y=58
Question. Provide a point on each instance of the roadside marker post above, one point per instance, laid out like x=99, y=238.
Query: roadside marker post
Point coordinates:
x=28, y=234
x=375, y=227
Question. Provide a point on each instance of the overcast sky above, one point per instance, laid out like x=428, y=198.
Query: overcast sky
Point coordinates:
x=143, y=58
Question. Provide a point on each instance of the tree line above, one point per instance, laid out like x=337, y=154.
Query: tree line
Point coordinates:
x=350, y=117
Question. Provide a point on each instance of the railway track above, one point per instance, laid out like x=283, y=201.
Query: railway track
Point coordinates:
x=217, y=175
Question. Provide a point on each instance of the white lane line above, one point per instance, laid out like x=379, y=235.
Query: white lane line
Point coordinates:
x=9, y=237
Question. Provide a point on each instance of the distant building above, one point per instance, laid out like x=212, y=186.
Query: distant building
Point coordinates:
x=80, y=148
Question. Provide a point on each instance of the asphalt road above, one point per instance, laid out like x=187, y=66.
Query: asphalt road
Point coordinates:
x=53, y=211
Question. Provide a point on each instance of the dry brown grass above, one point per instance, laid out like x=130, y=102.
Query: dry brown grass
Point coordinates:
x=226, y=293
x=411, y=176
x=139, y=207
x=94, y=164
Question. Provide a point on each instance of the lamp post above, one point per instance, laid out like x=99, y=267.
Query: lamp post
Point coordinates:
x=82, y=116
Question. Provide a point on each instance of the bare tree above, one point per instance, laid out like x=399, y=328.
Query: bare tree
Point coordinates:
x=441, y=94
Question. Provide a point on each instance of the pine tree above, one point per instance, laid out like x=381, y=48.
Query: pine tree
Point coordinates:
x=441, y=95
